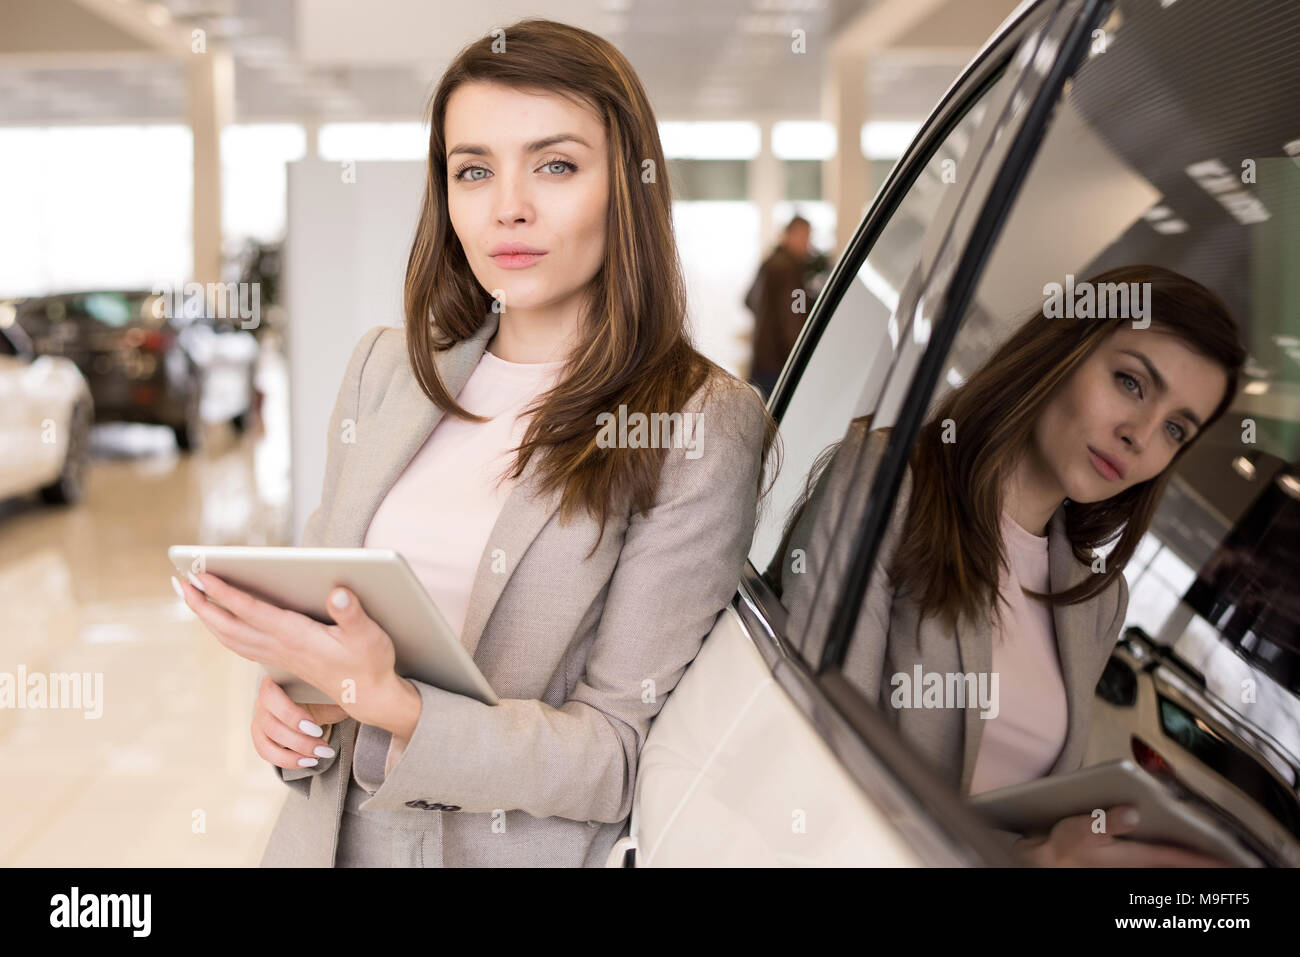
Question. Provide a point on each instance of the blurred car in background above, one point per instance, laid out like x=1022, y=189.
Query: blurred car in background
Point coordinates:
x=46, y=411
x=146, y=361
x=1154, y=707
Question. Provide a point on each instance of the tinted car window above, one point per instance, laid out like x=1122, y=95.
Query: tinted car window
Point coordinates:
x=847, y=369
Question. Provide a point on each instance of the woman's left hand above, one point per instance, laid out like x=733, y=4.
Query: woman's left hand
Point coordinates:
x=352, y=661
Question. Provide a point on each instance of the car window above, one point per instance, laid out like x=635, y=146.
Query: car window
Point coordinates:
x=847, y=368
x=1145, y=167
x=113, y=309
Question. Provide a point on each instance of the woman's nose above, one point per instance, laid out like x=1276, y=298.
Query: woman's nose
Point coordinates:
x=1136, y=435
x=512, y=203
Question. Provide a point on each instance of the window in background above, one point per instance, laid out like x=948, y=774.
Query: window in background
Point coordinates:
x=87, y=207
x=883, y=142
x=717, y=230
x=339, y=142
x=253, y=178
x=803, y=146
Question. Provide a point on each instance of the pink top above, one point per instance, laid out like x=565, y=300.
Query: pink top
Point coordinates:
x=1021, y=742
x=443, y=507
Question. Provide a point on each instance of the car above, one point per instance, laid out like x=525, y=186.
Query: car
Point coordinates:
x=1084, y=135
x=147, y=360
x=46, y=412
x=1155, y=707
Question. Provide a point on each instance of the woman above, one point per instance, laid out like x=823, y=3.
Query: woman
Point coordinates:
x=1063, y=441
x=583, y=563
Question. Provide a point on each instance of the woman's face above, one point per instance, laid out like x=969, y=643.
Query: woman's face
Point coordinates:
x=1134, y=401
x=529, y=169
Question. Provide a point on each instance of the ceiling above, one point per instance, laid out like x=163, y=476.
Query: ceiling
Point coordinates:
x=67, y=62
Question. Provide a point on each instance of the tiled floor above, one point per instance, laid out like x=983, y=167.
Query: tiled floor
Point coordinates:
x=166, y=775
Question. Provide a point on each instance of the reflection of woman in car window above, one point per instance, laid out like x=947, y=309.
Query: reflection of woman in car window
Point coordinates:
x=984, y=636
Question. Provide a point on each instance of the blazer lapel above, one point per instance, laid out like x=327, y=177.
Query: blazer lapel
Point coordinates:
x=384, y=456
x=522, y=517
x=414, y=416
x=1075, y=636
x=975, y=641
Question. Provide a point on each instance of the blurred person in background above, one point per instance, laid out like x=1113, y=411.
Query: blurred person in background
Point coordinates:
x=779, y=298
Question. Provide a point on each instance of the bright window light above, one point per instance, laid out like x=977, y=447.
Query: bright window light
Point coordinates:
x=253, y=197
x=94, y=206
x=888, y=139
x=803, y=140
x=272, y=142
x=710, y=140
x=339, y=142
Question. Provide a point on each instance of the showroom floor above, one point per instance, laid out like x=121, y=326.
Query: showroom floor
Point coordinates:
x=165, y=774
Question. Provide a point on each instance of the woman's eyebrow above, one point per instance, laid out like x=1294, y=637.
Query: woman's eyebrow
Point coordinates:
x=533, y=147
x=1162, y=386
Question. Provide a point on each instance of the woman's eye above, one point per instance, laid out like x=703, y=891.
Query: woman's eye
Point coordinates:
x=1125, y=378
x=1180, y=434
x=565, y=166
x=460, y=174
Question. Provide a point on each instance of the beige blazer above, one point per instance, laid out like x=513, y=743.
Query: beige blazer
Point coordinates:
x=890, y=639
x=582, y=652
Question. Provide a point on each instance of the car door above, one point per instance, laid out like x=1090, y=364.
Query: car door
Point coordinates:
x=761, y=755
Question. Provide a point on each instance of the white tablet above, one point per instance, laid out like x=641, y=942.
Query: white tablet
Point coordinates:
x=1034, y=807
x=301, y=580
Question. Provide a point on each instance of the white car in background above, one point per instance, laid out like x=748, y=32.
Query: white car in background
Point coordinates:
x=46, y=413
x=1085, y=135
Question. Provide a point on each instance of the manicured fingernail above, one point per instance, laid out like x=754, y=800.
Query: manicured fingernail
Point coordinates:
x=195, y=581
x=180, y=592
x=324, y=750
x=307, y=762
x=340, y=599
x=306, y=727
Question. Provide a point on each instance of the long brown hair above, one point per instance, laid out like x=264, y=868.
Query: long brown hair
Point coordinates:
x=951, y=546
x=633, y=346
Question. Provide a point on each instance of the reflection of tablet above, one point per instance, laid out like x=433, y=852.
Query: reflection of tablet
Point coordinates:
x=1034, y=807
x=301, y=579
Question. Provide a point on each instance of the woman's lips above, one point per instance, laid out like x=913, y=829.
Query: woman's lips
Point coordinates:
x=517, y=260
x=1103, y=467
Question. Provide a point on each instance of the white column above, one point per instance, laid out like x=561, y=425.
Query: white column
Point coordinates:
x=211, y=81
x=847, y=177
x=312, y=128
x=766, y=187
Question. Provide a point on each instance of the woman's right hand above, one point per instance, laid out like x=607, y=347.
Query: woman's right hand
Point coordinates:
x=1072, y=843
x=278, y=736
